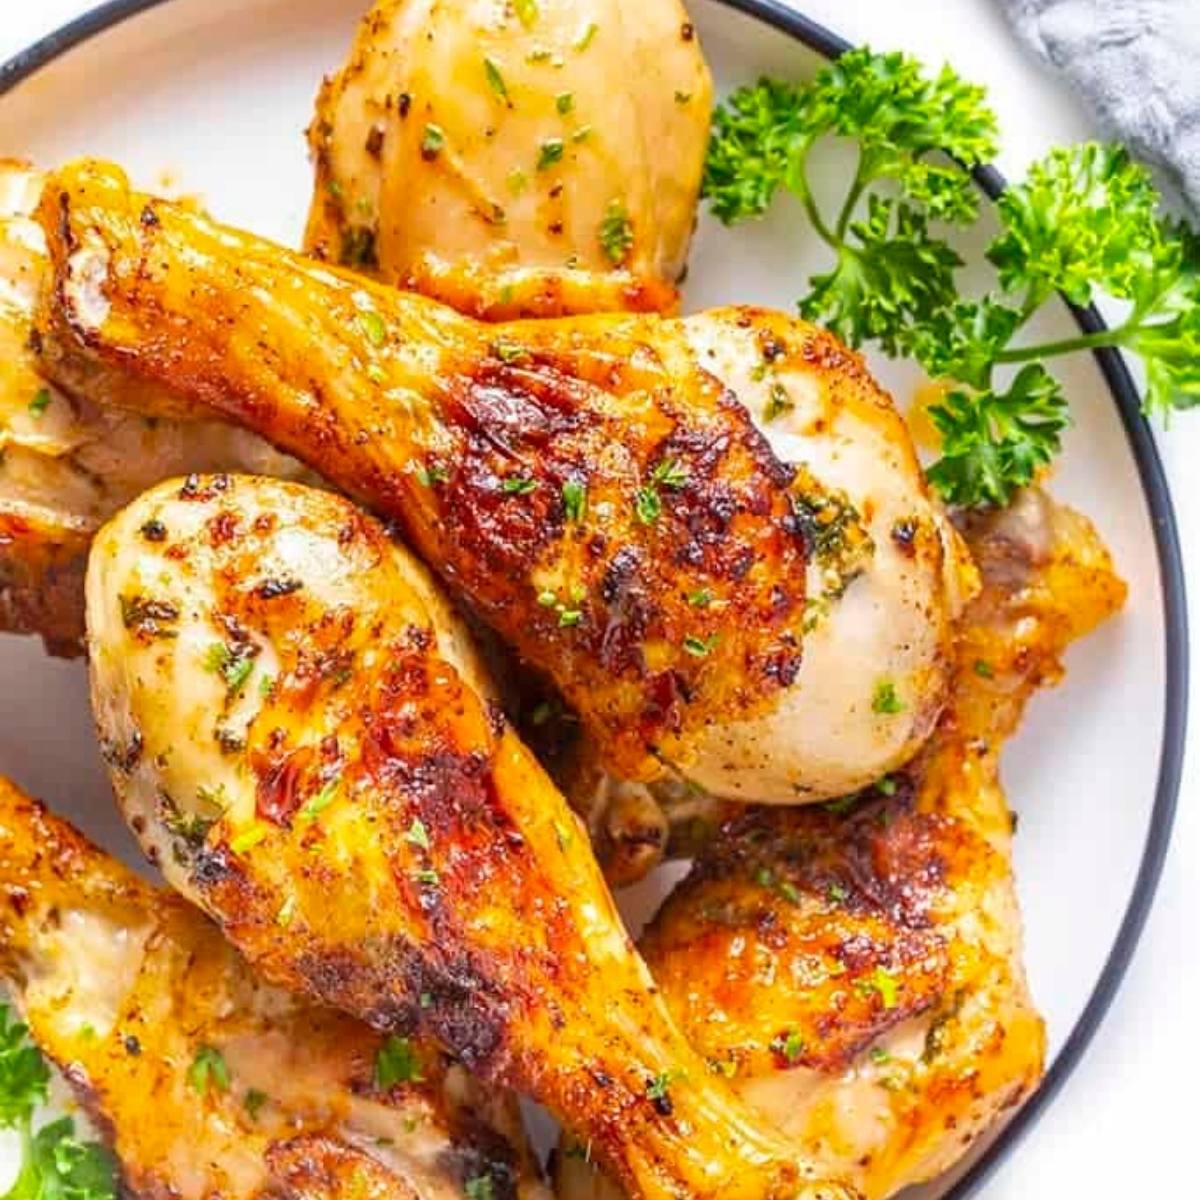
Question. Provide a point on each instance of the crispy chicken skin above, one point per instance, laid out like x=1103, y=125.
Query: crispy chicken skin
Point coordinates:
x=293, y=726
x=857, y=973
x=480, y=153
x=126, y=986
x=68, y=462
x=592, y=487
x=887, y=573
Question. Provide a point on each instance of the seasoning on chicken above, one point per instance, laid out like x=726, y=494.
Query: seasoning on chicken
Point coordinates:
x=484, y=153
x=209, y=1084
x=297, y=733
x=68, y=462
x=591, y=487
x=855, y=969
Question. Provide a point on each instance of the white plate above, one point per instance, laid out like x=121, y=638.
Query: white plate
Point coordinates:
x=213, y=95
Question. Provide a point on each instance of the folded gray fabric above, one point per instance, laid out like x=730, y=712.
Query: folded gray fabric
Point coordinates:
x=1137, y=63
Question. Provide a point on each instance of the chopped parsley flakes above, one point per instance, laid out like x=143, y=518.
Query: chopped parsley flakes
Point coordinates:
x=491, y=70
x=209, y=1071
x=886, y=702
x=779, y=401
x=648, y=505
x=527, y=12
x=669, y=473
x=658, y=1090
x=616, y=234
x=321, y=801
x=248, y=838
x=432, y=142
x=417, y=834
x=699, y=647
x=253, y=1102
x=574, y=496
x=509, y=352
x=429, y=475
x=788, y=1046
x=373, y=328
x=549, y=153
x=519, y=485
x=396, y=1062
x=883, y=984
x=234, y=663
x=479, y=1187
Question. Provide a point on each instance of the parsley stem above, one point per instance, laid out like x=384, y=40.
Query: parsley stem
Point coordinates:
x=810, y=207
x=26, y=1136
x=852, y=198
x=28, y=1181
x=1083, y=341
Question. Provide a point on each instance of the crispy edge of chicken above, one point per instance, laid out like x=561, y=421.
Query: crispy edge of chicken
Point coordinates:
x=856, y=969
x=208, y=1083
x=69, y=460
x=479, y=153
x=593, y=487
x=292, y=725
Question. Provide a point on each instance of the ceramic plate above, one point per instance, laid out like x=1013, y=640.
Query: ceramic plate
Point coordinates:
x=210, y=97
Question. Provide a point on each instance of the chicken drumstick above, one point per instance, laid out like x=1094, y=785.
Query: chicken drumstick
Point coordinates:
x=592, y=487
x=297, y=733
x=208, y=1083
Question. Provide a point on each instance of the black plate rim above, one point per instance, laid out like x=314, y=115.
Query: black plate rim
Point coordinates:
x=1115, y=370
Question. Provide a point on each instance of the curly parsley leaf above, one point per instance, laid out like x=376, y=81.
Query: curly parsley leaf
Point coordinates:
x=1083, y=219
x=890, y=272
x=962, y=340
x=756, y=134
x=995, y=442
x=906, y=124
x=24, y=1076
x=1084, y=224
x=1171, y=352
x=55, y=1165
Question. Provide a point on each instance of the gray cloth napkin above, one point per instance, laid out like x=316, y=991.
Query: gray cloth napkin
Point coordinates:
x=1137, y=64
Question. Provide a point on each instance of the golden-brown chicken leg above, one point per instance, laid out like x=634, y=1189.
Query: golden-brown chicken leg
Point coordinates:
x=210, y=1084
x=856, y=969
x=592, y=487
x=68, y=462
x=297, y=734
x=528, y=159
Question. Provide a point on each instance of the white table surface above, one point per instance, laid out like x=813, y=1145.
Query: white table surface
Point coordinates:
x=1126, y=1123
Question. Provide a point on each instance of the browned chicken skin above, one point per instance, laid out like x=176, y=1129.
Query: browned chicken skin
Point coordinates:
x=483, y=153
x=857, y=973
x=478, y=477
x=294, y=725
x=68, y=462
x=69, y=458
x=127, y=988
x=597, y=494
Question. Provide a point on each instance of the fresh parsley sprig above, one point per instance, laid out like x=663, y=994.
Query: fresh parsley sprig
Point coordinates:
x=889, y=269
x=55, y=1165
x=1084, y=223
